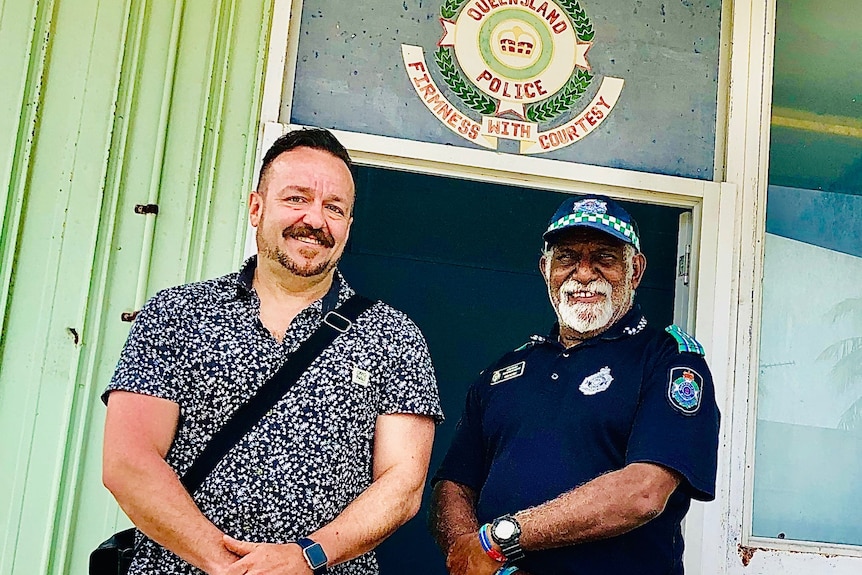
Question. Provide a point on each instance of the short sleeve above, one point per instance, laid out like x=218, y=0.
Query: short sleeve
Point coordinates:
x=677, y=421
x=464, y=462
x=148, y=362
x=410, y=385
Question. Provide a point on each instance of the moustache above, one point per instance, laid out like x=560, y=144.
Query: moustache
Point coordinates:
x=598, y=286
x=297, y=231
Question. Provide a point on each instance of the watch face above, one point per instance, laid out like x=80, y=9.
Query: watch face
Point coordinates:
x=315, y=555
x=504, y=530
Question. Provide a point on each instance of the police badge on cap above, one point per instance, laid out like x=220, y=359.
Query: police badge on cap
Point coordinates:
x=590, y=206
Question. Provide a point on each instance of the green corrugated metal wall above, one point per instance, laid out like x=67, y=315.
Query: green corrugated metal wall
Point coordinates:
x=105, y=104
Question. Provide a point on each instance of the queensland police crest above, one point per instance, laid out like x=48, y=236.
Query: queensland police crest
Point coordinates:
x=514, y=69
x=685, y=389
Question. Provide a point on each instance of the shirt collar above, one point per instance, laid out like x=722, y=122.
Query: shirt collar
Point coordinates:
x=631, y=323
x=338, y=292
x=245, y=277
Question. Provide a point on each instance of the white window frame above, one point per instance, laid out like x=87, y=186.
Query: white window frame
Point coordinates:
x=717, y=230
x=748, y=132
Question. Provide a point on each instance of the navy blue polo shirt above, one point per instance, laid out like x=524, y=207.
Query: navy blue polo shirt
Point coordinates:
x=543, y=420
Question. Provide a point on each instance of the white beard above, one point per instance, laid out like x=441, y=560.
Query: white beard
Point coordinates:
x=585, y=317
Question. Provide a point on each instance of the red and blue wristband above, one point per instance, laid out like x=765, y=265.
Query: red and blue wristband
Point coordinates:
x=487, y=547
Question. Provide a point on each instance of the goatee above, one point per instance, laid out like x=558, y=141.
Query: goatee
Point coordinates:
x=298, y=231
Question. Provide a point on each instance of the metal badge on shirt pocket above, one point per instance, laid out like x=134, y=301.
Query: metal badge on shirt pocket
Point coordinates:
x=507, y=373
x=597, y=382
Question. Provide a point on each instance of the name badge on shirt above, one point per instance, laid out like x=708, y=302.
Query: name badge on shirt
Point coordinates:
x=507, y=373
x=361, y=377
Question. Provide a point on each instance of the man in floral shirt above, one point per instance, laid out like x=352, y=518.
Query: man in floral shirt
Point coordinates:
x=340, y=461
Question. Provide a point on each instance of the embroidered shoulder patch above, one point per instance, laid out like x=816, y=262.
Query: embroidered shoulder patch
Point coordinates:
x=509, y=372
x=684, y=342
x=685, y=389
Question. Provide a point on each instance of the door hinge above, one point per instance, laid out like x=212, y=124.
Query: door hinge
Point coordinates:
x=683, y=269
x=129, y=316
x=147, y=209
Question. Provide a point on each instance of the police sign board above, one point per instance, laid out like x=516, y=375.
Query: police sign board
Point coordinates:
x=519, y=65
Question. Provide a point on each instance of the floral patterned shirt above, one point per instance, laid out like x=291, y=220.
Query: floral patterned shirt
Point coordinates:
x=204, y=347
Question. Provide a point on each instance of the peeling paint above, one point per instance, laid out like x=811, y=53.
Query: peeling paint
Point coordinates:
x=746, y=553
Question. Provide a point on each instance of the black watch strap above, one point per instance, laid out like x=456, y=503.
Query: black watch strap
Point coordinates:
x=314, y=555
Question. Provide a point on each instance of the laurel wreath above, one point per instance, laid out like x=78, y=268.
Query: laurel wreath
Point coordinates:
x=560, y=103
x=563, y=100
x=581, y=21
x=450, y=8
x=456, y=82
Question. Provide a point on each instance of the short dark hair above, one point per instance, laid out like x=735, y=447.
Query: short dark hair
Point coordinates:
x=314, y=138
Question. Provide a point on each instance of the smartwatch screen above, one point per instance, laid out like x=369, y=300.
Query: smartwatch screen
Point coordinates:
x=315, y=555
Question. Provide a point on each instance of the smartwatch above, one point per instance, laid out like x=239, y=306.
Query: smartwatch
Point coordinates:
x=506, y=532
x=314, y=555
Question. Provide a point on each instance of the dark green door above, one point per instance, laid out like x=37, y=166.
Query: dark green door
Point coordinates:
x=461, y=259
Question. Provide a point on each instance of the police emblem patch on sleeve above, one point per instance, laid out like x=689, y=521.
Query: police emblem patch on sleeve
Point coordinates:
x=685, y=389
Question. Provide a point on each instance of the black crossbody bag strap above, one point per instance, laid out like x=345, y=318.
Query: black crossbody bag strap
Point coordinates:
x=334, y=323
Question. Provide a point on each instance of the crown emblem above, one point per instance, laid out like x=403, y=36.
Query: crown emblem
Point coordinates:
x=517, y=42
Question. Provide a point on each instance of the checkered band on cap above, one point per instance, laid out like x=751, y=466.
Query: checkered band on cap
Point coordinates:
x=620, y=226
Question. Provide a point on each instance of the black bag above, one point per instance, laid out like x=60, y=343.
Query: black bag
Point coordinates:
x=114, y=556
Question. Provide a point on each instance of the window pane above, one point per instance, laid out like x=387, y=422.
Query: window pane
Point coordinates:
x=808, y=459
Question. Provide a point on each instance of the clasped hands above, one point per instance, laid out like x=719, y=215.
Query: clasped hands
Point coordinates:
x=264, y=558
x=466, y=557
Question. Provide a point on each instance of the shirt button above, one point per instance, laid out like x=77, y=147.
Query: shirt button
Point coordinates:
x=554, y=376
x=565, y=355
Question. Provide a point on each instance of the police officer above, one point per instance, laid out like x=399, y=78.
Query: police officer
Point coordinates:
x=580, y=452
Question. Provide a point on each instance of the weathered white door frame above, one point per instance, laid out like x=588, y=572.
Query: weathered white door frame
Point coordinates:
x=729, y=228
